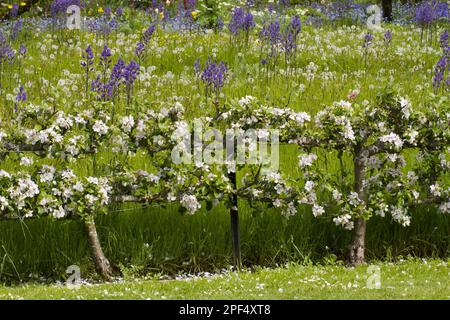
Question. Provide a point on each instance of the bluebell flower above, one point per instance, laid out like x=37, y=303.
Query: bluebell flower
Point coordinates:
x=425, y=14
x=444, y=40
x=22, y=50
x=240, y=21
x=214, y=75
x=16, y=28
x=88, y=57
x=105, y=57
x=197, y=66
x=130, y=72
x=116, y=73
x=439, y=71
x=6, y=52
x=21, y=95
x=367, y=40
x=14, y=11
x=271, y=33
x=387, y=37
x=60, y=6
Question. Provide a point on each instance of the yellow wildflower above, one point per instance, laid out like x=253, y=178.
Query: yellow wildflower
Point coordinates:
x=100, y=10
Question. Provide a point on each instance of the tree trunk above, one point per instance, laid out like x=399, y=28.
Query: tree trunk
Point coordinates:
x=387, y=9
x=234, y=215
x=101, y=262
x=357, y=247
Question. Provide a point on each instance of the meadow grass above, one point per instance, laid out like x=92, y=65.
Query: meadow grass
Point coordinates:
x=410, y=279
x=153, y=240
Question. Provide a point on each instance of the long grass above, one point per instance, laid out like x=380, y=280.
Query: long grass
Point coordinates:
x=155, y=240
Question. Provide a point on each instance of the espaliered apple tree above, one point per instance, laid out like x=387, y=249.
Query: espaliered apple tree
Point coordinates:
x=374, y=143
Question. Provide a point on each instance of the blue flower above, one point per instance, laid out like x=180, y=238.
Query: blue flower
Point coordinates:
x=214, y=75
x=387, y=37
x=367, y=40
x=240, y=21
x=88, y=57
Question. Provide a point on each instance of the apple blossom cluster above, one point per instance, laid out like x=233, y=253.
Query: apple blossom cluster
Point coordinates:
x=56, y=134
x=46, y=191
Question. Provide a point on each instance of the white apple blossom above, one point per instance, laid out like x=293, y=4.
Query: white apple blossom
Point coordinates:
x=127, y=123
x=317, y=210
x=393, y=139
x=100, y=127
x=190, y=202
x=306, y=160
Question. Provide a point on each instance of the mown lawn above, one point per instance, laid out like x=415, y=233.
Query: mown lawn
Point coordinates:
x=410, y=279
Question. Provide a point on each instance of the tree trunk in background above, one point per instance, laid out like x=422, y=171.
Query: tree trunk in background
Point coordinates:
x=101, y=262
x=357, y=247
x=387, y=9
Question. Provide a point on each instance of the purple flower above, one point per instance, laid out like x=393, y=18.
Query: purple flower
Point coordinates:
x=271, y=33
x=220, y=24
x=296, y=24
x=116, y=73
x=240, y=21
x=88, y=57
x=214, y=75
x=288, y=41
x=148, y=34
x=191, y=4
x=289, y=37
x=141, y=46
x=16, y=28
x=444, y=40
x=425, y=14
x=439, y=70
x=60, y=6
x=119, y=11
x=6, y=52
x=14, y=11
x=197, y=66
x=107, y=11
x=130, y=72
x=367, y=40
x=387, y=37
x=103, y=25
x=104, y=90
x=22, y=50
x=248, y=22
x=285, y=3
x=22, y=95
x=105, y=57
x=139, y=51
